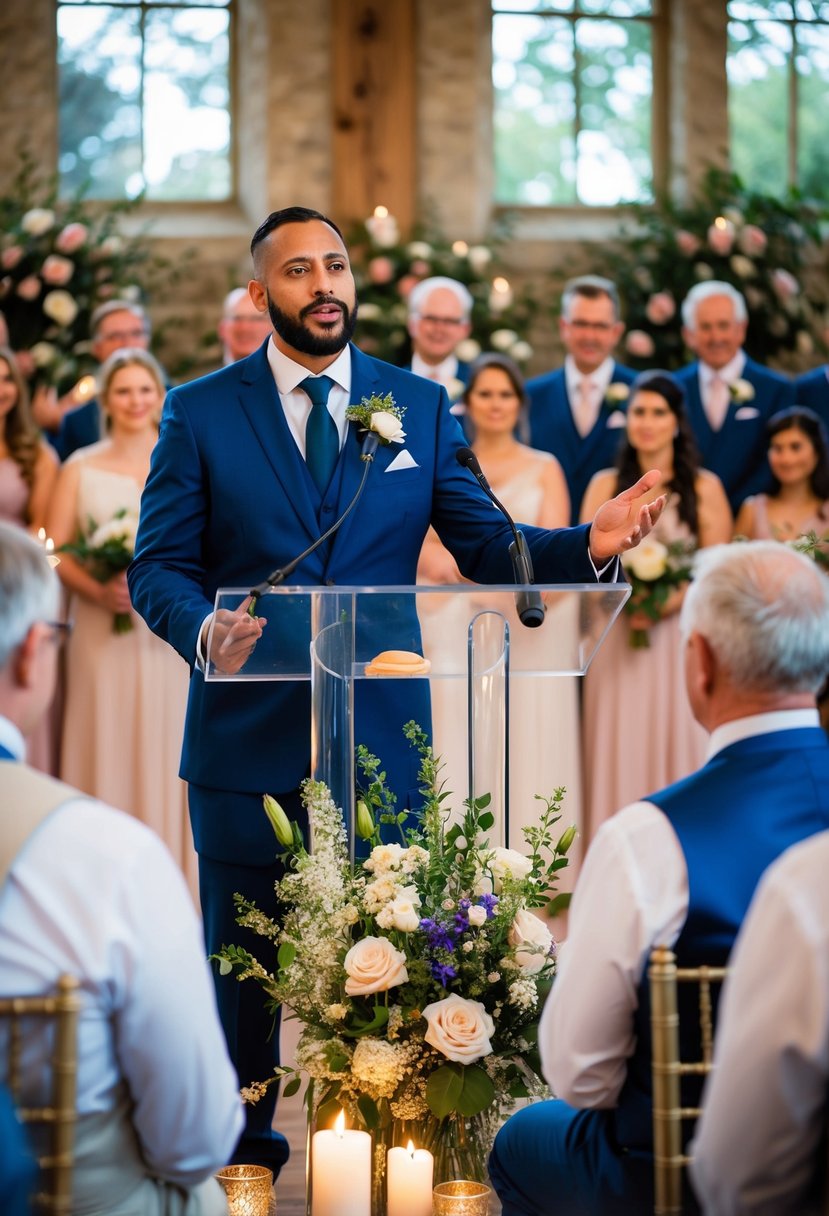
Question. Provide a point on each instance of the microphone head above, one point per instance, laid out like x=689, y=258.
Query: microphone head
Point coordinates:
x=467, y=459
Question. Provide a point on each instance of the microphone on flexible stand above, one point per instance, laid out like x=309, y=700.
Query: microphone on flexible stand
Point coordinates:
x=529, y=604
x=367, y=451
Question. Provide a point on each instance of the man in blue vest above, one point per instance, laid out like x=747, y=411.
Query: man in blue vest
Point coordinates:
x=677, y=869
x=577, y=411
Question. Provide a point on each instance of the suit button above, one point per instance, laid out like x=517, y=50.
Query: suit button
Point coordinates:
x=327, y=510
x=329, y=582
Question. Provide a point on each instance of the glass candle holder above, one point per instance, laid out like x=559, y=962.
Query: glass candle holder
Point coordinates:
x=461, y=1198
x=249, y=1189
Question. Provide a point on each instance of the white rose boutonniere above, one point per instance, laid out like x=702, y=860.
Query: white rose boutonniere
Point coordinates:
x=616, y=394
x=741, y=391
x=381, y=416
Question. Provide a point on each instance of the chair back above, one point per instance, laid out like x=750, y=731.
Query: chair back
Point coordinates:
x=61, y=1008
x=667, y=1069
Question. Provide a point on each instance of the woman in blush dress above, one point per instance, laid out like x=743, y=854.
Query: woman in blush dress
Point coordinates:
x=126, y=691
x=544, y=752
x=638, y=732
x=28, y=468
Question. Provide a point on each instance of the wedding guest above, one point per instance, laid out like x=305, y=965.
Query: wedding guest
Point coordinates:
x=440, y=316
x=126, y=692
x=678, y=869
x=697, y=515
x=263, y=451
x=576, y=411
x=760, y=1142
x=242, y=328
x=798, y=501
x=87, y=891
x=27, y=464
x=729, y=396
x=545, y=749
x=812, y=390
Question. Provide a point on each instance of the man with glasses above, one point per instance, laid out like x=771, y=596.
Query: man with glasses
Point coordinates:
x=577, y=411
x=242, y=329
x=440, y=311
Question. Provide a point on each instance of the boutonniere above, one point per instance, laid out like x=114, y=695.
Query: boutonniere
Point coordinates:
x=455, y=388
x=616, y=394
x=380, y=416
x=741, y=391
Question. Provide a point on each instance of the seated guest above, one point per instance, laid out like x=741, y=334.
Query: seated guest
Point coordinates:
x=678, y=869
x=27, y=464
x=730, y=397
x=760, y=1143
x=89, y=891
x=440, y=316
x=812, y=390
x=242, y=329
x=577, y=411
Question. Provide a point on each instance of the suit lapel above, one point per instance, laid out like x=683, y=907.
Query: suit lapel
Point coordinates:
x=364, y=383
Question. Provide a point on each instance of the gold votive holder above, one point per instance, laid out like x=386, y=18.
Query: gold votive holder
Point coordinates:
x=249, y=1189
x=461, y=1198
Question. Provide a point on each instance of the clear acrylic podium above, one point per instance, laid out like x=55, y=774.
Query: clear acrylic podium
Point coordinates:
x=480, y=656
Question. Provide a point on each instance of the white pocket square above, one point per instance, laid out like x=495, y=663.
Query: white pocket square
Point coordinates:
x=745, y=412
x=616, y=419
x=403, y=460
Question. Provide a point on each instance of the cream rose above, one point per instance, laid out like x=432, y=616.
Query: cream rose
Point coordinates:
x=468, y=350
x=38, y=221
x=60, y=307
x=459, y=1029
x=373, y=965
x=742, y=390
x=387, y=426
x=57, y=270
x=647, y=561
x=531, y=939
x=505, y=862
x=477, y=916
x=404, y=914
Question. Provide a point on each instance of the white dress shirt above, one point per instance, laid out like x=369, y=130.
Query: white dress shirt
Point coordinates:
x=96, y=894
x=444, y=372
x=632, y=894
x=756, y=1148
x=296, y=403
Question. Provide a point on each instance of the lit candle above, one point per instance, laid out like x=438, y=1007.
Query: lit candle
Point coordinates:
x=409, y=1181
x=500, y=297
x=382, y=228
x=460, y=249
x=721, y=235
x=340, y=1171
x=51, y=557
x=84, y=389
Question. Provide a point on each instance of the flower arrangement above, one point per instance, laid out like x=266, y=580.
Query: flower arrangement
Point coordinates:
x=654, y=571
x=60, y=259
x=387, y=266
x=814, y=546
x=418, y=973
x=380, y=416
x=762, y=245
x=106, y=550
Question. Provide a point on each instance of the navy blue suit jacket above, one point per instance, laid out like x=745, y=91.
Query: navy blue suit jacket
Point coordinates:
x=737, y=452
x=80, y=427
x=553, y=430
x=229, y=498
x=812, y=390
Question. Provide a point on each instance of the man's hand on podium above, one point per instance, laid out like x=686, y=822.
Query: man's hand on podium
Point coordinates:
x=233, y=639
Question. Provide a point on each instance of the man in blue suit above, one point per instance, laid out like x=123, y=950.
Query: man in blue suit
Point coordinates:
x=729, y=397
x=577, y=411
x=812, y=389
x=440, y=316
x=678, y=869
x=251, y=466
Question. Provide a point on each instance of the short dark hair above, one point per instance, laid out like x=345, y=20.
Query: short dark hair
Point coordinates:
x=799, y=418
x=590, y=287
x=289, y=215
x=513, y=372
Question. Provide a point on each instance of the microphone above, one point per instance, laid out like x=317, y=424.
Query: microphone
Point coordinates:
x=367, y=451
x=529, y=604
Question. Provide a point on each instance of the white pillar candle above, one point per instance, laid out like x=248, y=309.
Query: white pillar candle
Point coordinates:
x=341, y=1172
x=500, y=296
x=409, y=1176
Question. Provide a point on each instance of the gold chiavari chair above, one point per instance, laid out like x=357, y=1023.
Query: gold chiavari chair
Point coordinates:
x=61, y=1008
x=667, y=1069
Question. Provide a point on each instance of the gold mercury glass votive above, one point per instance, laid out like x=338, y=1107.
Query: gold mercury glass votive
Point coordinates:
x=248, y=1189
x=461, y=1198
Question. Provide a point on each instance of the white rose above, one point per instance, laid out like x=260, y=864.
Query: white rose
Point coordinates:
x=459, y=1029
x=532, y=941
x=508, y=861
x=370, y=312
x=468, y=350
x=503, y=339
x=404, y=914
x=43, y=353
x=418, y=249
x=647, y=561
x=373, y=965
x=61, y=307
x=742, y=390
x=384, y=857
x=477, y=916
x=521, y=352
x=38, y=221
x=479, y=258
x=387, y=426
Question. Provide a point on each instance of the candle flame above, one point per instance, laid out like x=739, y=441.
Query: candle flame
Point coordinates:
x=84, y=388
x=41, y=535
x=410, y=1149
x=721, y=222
x=381, y=212
x=50, y=545
x=500, y=284
x=339, y=1123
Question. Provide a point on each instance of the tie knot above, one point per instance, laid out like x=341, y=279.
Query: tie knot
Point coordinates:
x=317, y=388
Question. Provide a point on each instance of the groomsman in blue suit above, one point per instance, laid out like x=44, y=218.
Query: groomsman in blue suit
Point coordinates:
x=252, y=464
x=812, y=389
x=677, y=869
x=577, y=411
x=729, y=397
x=440, y=316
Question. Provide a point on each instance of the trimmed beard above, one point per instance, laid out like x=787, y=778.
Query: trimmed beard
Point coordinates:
x=300, y=338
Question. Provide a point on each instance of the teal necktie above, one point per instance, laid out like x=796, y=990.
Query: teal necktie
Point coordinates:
x=322, y=441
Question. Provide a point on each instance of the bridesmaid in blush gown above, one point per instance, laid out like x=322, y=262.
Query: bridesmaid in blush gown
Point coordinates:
x=543, y=712
x=126, y=692
x=638, y=732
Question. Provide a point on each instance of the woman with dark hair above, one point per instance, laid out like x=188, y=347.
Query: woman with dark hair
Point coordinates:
x=628, y=754
x=798, y=502
x=27, y=465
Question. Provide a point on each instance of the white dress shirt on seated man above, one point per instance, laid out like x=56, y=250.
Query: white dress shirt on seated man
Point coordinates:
x=632, y=895
x=757, y=1150
x=95, y=893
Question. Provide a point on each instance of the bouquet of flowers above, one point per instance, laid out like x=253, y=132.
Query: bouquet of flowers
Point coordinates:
x=814, y=546
x=418, y=973
x=106, y=550
x=654, y=570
